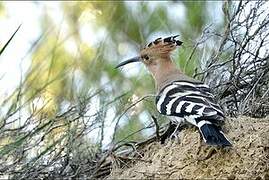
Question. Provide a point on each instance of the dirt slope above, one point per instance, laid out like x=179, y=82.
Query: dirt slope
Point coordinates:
x=188, y=158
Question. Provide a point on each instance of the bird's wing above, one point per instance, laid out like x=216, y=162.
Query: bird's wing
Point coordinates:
x=189, y=99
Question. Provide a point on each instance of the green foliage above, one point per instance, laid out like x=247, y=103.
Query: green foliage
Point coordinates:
x=196, y=17
x=58, y=76
x=132, y=126
x=68, y=70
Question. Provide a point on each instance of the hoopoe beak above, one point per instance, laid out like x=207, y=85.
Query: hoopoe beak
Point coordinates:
x=135, y=59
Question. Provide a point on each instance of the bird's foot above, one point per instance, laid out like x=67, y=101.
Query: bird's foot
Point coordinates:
x=171, y=128
x=171, y=132
x=175, y=132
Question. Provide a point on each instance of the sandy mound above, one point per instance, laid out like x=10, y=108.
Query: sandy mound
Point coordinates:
x=187, y=158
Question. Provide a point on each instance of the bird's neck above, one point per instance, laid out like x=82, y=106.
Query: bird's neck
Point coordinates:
x=164, y=73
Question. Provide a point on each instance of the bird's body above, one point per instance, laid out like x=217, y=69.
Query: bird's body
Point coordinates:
x=189, y=102
x=179, y=97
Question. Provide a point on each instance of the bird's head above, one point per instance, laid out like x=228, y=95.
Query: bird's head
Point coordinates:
x=155, y=53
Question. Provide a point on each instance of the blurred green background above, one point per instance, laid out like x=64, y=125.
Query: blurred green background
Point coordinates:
x=67, y=67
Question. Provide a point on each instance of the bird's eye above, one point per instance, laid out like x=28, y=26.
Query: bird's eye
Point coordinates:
x=145, y=57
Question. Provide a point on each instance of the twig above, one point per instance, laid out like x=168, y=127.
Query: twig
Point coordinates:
x=156, y=126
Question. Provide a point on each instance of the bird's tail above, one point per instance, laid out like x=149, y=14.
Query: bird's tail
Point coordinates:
x=212, y=135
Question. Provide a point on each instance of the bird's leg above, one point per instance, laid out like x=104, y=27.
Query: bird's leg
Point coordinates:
x=174, y=134
x=179, y=128
x=171, y=128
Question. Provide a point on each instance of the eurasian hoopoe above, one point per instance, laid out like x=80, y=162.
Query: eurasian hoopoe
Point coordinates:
x=181, y=98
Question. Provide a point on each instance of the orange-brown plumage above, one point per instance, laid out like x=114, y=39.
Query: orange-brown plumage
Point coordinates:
x=159, y=61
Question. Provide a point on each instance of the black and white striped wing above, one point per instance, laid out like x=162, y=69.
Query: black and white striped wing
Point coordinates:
x=189, y=100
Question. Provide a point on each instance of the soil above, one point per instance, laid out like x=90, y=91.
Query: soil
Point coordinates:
x=188, y=157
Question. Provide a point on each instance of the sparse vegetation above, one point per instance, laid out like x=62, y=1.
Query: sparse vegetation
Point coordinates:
x=73, y=115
